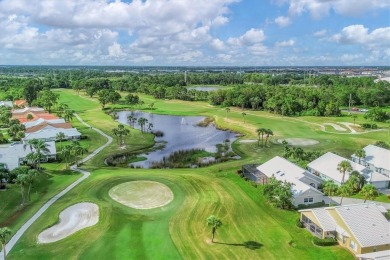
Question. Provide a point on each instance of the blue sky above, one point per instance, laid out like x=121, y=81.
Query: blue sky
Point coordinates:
x=195, y=32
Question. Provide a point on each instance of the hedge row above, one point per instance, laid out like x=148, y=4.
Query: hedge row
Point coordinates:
x=324, y=242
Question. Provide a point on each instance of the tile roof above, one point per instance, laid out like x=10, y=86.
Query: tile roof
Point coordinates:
x=326, y=221
x=378, y=156
x=46, y=125
x=51, y=133
x=327, y=165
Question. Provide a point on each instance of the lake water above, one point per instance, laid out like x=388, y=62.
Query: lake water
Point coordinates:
x=180, y=133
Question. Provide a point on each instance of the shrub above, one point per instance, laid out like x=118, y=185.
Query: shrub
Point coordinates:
x=300, y=224
x=309, y=206
x=83, y=137
x=158, y=133
x=324, y=242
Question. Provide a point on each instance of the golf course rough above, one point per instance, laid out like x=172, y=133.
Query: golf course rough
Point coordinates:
x=72, y=219
x=142, y=194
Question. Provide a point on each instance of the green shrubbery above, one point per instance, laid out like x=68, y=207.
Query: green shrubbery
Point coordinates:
x=324, y=242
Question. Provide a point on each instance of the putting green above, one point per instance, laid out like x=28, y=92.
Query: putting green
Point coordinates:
x=142, y=194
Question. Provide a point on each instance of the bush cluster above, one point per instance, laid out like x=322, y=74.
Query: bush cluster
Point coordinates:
x=324, y=242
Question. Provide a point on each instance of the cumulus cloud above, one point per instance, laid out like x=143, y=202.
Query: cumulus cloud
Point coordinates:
x=282, y=21
x=320, y=33
x=288, y=43
x=358, y=34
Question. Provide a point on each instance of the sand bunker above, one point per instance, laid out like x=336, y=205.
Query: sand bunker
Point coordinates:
x=336, y=127
x=72, y=219
x=142, y=194
x=298, y=141
x=248, y=141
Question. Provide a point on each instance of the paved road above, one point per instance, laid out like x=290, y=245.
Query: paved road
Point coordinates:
x=86, y=174
x=349, y=201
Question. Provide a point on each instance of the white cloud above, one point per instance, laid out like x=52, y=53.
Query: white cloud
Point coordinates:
x=115, y=50
x=320, y=33
x=288, y=43
x=250, y=37
x=358, y=34
x=282, y=21
x=217, y=45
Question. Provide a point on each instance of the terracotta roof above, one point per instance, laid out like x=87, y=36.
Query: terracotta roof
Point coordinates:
x=23, y=117
x=20, y=102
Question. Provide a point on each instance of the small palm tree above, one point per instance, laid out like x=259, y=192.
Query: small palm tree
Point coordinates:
x=243, y=116
x=260, y=133
x=68, y=115
x=4, y=234
x=369, y=191
x=215, y=223
x=343, y=191
x=360, y=154
x=330, y=189
x=22, y=180
x=343, y=167
x=227, y=111
x=60, y=137
x=268, y=133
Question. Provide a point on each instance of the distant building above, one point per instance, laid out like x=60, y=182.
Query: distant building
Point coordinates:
x=20, y=103
x=13, y=155
x=304, y=184
x=377, y=159
x=326, y=166
x=361, y=228
x=35, y=112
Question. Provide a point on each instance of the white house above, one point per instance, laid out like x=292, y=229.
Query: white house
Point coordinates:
x=50, y=133
x=12, y=155
x=377, y=159
x=326, y=166
x=6, y=104
x=304, y=184
x=39, y=121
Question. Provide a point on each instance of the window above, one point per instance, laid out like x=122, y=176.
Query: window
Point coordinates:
x=352, y=245
x=308, y=200
x=312, y=228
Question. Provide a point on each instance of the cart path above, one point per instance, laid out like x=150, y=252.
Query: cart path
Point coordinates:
x=86, y=174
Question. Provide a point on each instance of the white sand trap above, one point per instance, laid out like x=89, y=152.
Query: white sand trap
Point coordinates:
x=142, y=194
x=248, y=141
x=299, y=141
x=349, y=126
x=72, y=219
x=336, y=127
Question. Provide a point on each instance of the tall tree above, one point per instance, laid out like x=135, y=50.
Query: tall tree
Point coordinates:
x=260, y=135
x=215, y=223
x=343, y=167
x=343, y=191
x=268, y=133
x=330, y=188
x=39, y=148
x=47, y=99
x=22, y=180
x=4, y=234
x=60, y=137
x=243, y=116
x=68, y=115
x=369, y=192
x=227, y=111
x=360, y=154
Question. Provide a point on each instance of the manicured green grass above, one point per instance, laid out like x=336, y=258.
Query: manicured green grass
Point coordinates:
x=178, y=230
x=47, y=184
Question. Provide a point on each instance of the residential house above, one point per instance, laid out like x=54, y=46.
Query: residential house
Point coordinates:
x=20, y=103
x=41, y=120
x=304, y=184
x=49, y=133
x=377, y=159
x=251, y=172
x=326, y=166
x=35, y=112
x=13, y=155
x=6, y=104
x=361, y=228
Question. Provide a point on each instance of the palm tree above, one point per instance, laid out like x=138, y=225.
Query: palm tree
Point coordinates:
x=151, y=105
x=369, y=191
x=150, y=127
x=243, y=116
x=330, y=188
x=215, y=223
x=66, y=151
x=68, y=115
x=268, y=133
x=343, y=191
x=76, y=150
x=22, y=180
x=60, y=137
x=4, y=234
x=31, y=174
x=39, y=147
x=227, y=111
x=298, y=153
x=360, y=154
x=4, y=175
x=260, y=132
x=142, y=122
x=343, y=167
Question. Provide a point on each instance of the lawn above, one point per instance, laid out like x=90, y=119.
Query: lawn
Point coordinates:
x=251, y=229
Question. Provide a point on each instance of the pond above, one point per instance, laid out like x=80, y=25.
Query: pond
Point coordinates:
x=204, y=88
x=180, y=133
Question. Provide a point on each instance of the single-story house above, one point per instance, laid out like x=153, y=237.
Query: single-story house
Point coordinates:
x=12, y=155
x=46, y=126
x=361, y=228
x=304, y=184
x=50, y=134
x=377, y=159
x=41, y=120
x=35, y=112
x=326, y=166
x=6, y=104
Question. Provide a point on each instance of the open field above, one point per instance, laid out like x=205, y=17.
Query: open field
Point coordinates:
x=251, y=228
